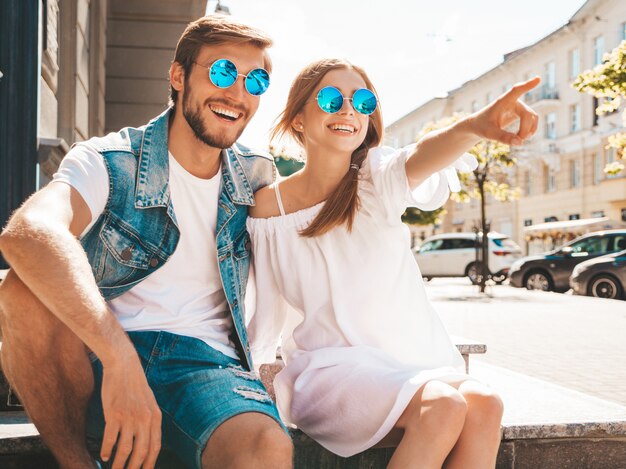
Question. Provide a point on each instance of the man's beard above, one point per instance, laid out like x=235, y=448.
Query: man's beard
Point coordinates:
x=193, y=116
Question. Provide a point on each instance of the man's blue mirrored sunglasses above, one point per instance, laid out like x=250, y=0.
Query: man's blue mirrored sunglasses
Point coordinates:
x=223, y=74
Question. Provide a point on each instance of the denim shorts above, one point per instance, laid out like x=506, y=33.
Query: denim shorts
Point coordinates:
x=197, y=388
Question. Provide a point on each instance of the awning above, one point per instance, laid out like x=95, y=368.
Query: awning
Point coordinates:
x=602, y=222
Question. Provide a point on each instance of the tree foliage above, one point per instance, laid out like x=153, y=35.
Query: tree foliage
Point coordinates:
x=286, y=164
x=607, y=82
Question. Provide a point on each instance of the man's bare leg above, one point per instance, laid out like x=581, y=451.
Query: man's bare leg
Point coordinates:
x=248, y=441
x=48, y=366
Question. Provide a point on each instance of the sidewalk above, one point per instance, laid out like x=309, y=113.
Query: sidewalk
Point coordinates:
x=577, y=342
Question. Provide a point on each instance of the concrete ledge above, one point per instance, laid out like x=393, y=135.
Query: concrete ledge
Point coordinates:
x=18, y=435
x=534, y=408
x=545, y=426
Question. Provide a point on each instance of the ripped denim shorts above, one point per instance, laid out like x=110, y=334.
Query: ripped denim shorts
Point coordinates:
x=197, y=388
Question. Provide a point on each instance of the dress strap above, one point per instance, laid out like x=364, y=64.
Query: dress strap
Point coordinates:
x=279, y=199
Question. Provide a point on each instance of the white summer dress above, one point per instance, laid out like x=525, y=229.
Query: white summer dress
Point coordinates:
x=359, y=336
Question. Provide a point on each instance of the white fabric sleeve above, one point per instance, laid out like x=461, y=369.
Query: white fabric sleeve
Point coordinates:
x=83, y=168
x=388, y=170
x=266, y=308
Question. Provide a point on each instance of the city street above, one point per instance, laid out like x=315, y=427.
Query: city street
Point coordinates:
x=577, y=342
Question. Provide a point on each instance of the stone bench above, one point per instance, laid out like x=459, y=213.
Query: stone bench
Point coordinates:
x=545, y=426
x=465, y=347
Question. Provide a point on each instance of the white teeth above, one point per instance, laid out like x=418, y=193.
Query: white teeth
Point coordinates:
x=343, y=127
x=224, y=112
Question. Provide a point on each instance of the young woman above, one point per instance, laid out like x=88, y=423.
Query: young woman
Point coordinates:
x=367, y=360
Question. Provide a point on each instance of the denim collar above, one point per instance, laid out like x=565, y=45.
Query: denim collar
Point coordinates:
x=152, y=189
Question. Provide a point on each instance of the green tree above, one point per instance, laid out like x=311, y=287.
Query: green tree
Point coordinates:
x=417, y=217
x=491, y=177
x=607, y=82
x=285, y=163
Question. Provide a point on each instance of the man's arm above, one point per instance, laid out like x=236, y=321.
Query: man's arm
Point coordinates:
x=40, y=243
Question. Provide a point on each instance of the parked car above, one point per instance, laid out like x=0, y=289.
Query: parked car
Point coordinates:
x=454, y=255
x=604, y=277
x=551, y=271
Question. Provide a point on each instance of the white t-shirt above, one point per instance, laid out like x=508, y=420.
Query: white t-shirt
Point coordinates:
x=185, y=296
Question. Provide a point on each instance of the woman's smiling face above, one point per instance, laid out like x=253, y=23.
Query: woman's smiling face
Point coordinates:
x=343, y=131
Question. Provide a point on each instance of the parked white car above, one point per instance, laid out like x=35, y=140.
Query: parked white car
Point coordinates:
x=454, y=255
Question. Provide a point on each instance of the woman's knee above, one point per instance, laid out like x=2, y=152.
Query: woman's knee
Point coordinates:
x=438, y=404
x=483, y=403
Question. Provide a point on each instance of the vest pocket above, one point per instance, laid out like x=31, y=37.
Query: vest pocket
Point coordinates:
x=125, y=247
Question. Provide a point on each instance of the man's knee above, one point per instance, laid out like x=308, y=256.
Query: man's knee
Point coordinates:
x=249, y=440
x=273, y=444
x=271, y=449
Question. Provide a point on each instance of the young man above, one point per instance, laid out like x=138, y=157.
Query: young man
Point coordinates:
x=134, y=332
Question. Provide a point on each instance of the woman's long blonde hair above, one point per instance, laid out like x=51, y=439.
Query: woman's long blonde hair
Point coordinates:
x=342, y=204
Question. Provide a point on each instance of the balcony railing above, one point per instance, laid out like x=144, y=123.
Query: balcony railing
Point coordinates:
x=542, y=93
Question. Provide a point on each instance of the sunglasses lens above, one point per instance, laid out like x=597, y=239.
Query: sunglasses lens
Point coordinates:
x=330, y=99
x=364, y=101
x=223, y=73
x=257, y=82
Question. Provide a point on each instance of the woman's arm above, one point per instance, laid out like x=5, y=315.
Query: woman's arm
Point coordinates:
x=440, y=148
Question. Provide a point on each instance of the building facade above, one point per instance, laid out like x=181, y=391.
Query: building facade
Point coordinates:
x=560, y=169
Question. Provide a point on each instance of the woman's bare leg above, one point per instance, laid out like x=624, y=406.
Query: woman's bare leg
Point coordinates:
x=431, y=433
x=430, y=427
x=477, y=446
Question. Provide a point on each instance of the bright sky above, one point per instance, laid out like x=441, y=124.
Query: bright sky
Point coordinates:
x=412, y=50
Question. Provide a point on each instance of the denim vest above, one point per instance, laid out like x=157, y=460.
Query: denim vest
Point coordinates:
x=137, y=231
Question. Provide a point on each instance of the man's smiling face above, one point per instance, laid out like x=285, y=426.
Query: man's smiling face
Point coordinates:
x=218, y=116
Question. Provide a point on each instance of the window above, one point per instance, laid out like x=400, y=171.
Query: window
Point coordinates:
x=619, y=242
x=528, y=222
x=574, y=174
x=597, y=168
x=597, y=214
x=593, y=245
x=623, y=31
x=431, y=245
x=610, y=158
x=550, y=179
x=574, y=63
x=575, y=122
x=550, y=75
x=458, y=243
x=574, y=216
x=598, y=50
x=551, y=126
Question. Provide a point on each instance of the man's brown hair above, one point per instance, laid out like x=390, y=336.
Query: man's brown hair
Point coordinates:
x=214, y=30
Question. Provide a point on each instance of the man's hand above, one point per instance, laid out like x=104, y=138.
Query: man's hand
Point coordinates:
x=131, y=414
x=490, y=121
